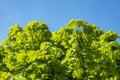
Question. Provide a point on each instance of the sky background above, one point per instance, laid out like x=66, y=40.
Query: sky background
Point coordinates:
x=56, y=13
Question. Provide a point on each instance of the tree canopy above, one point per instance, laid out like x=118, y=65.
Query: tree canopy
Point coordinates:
x=78, y=51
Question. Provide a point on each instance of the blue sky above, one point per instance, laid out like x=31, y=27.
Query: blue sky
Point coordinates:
x=56, y=13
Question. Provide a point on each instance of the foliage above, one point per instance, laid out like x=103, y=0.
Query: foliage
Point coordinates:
x=80, y=51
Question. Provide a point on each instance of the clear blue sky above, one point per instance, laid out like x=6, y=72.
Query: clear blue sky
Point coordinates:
x=57, y=13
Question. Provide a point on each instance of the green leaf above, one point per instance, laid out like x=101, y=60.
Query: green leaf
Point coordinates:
x=77, y=73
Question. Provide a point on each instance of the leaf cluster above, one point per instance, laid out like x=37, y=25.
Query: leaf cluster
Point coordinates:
x=79, y=51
